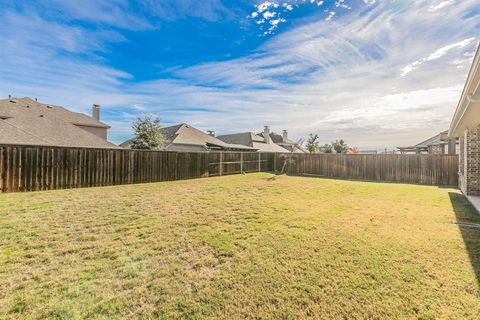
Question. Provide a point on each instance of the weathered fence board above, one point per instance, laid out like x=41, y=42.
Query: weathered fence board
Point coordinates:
x=419, y=169
x=32, y=168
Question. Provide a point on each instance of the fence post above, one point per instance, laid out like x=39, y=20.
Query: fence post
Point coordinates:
x=275, y=162
x=259, y=164
x=241, y=162
x=221, y=163
x=290, y=164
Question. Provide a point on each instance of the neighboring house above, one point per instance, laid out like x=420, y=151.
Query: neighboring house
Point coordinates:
x=465, y=126
x=183, y=137
x=283, y=141
x=262, y=142
x=438, y=144
x=25, y=121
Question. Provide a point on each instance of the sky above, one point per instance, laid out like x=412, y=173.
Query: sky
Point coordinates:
x=375, y=73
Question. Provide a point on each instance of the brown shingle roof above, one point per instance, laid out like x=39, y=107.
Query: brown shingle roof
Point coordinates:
x=25, y=121
x=183, y=137
x=252, y=140
x=289, y=144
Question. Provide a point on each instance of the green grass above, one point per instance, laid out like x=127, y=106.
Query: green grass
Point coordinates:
x=240, y=247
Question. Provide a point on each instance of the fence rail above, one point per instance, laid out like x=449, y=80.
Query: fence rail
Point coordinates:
x=419, y=169
x=32, y=168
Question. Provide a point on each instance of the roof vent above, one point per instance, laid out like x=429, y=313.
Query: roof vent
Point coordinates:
x=49, y=106
x=211, y=133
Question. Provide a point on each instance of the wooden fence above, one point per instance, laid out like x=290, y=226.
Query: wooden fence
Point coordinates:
x=31, y=168
x=419, y=169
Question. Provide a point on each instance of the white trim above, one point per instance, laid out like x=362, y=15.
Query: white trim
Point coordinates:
x=470, y=89
x=473, y=98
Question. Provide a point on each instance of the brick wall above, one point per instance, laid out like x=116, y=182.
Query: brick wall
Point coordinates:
x=435, y=149
x=470, y=164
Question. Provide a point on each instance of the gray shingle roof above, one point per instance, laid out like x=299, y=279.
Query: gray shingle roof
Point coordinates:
x=435, y=140
x=25, y=121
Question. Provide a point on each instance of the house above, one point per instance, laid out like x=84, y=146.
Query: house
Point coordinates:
x=26, y=121
x=465, y=126
x=183, y=137
x=284, y=142
x=261, y=142
x=438, y=144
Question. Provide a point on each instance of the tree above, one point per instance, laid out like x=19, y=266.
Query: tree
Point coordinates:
x=340, y=146
x=327, y=148
x=312, y=143
x=148, y=133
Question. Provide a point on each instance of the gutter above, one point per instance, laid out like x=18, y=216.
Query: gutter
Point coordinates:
x=103, y=126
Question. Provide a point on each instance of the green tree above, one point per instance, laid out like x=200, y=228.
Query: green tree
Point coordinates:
x=327, y=148
x=148, y=133
x=312, y=144
x=340, y=146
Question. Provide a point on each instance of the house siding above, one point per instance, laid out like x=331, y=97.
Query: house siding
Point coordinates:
x=99, y=132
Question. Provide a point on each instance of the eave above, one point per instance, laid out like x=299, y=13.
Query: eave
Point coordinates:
x=467, y=113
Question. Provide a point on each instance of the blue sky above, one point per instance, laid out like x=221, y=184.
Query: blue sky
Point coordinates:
x=376, y=73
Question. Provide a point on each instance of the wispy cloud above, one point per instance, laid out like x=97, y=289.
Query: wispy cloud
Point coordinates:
x=436, y=55
x=440, y=5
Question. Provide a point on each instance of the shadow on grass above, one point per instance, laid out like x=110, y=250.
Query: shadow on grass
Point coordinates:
x=466, y=213
x=307, y=175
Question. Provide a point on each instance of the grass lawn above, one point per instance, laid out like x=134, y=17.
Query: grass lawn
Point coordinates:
x=238, y=247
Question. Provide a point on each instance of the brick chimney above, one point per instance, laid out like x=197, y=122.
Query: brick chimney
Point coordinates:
x=96, y=112
x=285, y=136
x=266, y=134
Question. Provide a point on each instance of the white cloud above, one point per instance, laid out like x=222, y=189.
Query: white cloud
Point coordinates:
x=436, y=55
x=331, y=14
x=440, y=5
x=269, y=14
x=268, y=10
x=341, y=4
